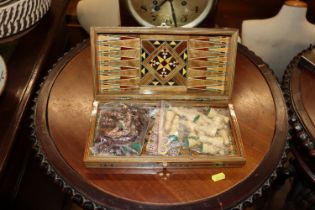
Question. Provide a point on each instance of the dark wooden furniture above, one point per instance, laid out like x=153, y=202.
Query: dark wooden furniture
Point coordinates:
x=298, y=87
x=62, y=124
x=27, y=58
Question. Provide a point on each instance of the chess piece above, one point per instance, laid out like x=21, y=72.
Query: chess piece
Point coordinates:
x=278, y=39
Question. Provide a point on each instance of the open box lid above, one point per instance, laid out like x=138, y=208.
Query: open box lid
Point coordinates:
x=163, y=63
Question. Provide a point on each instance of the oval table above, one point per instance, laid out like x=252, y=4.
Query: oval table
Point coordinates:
x=61, y=126
x=298, y=87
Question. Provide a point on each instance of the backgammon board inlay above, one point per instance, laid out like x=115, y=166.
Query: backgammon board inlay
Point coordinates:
x=163, y=62
x=130, y=62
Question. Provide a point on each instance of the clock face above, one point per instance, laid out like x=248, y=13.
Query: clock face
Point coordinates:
x=185, y=13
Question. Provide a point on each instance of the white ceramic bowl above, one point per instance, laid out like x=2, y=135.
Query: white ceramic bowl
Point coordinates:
x=19, y=15
x=3, y=74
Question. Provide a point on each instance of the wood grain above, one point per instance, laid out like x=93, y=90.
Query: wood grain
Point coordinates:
x=298, y=85
x=308, y=97
x=213, y=53
x=67, y=98
x=302, y=98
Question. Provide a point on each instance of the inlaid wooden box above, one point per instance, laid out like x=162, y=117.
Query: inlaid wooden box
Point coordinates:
x=162, y=98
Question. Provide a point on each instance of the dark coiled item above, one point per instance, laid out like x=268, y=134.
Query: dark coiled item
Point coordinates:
x=119, y=130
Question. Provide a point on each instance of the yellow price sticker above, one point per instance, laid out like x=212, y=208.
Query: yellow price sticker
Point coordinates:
x=218, y=177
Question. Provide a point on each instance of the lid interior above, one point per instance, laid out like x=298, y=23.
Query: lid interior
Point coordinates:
x=181, y=64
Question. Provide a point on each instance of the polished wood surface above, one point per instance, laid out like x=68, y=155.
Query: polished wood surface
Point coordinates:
x=29, y=58
x=308, y=95
x=62, y=124
x=301, y=83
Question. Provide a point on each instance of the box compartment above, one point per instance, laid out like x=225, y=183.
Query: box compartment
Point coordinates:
x=189, y=70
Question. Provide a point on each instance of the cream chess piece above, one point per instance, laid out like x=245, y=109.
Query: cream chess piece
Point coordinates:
x=98, y=13
x=278, y=39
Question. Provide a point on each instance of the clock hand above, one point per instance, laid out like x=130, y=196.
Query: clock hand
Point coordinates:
x=173, y=12
x=157, y=7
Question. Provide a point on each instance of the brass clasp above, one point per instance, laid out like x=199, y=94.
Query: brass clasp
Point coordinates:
x=164, y=174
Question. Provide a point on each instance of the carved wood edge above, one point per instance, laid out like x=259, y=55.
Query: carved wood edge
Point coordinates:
x=302, y=166
x=50, y=171
x=281, y=132
x=296, y=120
x=267, y=172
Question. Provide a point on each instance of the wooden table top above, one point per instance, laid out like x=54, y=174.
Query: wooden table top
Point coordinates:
x=62, y=124
x=298, y=85
x=307, y=85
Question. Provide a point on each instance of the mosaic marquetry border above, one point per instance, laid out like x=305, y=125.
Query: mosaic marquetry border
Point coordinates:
x=118, y=61
x=208, y=64
x=163, y=62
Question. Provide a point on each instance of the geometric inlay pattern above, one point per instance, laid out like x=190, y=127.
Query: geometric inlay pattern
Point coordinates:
x=128, y=62
x=117, y=62
x=208, y=64
x=163, y=62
